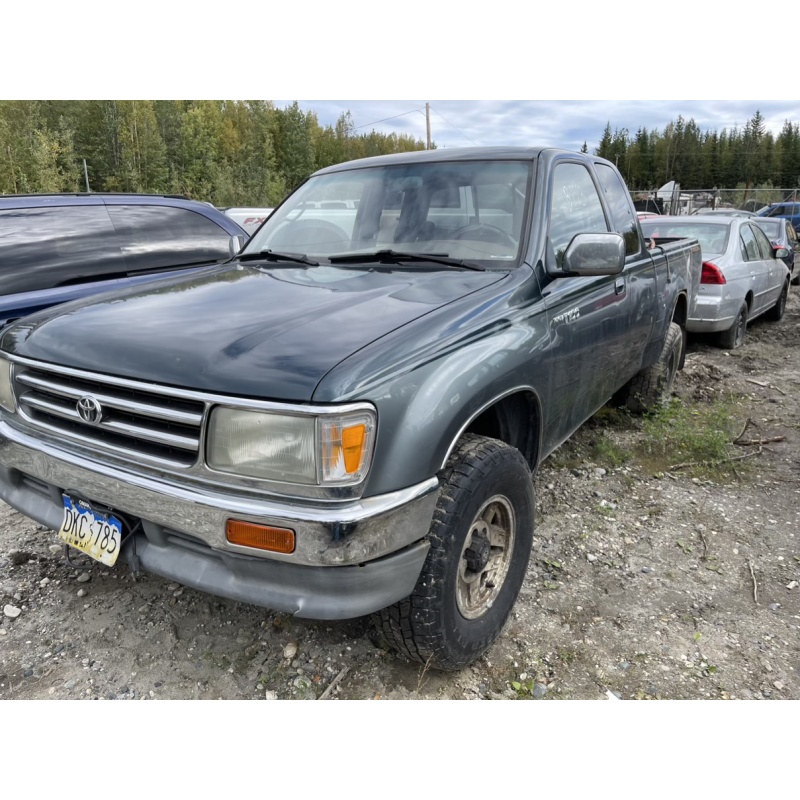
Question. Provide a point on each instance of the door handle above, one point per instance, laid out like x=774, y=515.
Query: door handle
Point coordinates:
x=619, y=286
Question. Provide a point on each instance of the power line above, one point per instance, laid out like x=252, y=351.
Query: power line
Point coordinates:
x=420, y=111
x=458, y=129
x=405, y=113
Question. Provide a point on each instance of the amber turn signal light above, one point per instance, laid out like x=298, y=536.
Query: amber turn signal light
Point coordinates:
x=262, y=537
x=353, y=447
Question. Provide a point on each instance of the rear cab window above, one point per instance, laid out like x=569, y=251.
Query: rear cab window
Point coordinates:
x=713, y=236
x=619, y=204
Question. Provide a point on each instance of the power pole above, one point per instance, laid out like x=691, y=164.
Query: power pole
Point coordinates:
x=428, y=124
x=86, y=175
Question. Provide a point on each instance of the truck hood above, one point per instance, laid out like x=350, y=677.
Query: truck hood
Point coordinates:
x=271, y=333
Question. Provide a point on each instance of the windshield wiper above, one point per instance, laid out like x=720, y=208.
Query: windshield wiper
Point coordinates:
x=396, y=256
x=272, y=255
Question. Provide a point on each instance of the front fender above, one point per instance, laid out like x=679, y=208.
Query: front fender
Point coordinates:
x=421, y=414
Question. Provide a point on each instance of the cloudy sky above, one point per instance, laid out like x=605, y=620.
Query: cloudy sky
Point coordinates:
x=558, y=123
x=581, y=64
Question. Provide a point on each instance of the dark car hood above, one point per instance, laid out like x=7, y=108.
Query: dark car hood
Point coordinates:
x=270, y=333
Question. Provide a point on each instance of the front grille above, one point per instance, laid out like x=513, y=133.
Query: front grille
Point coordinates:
x=135, y=422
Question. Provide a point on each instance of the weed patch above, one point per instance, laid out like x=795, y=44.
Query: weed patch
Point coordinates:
x=608, y=453
x=695, y=438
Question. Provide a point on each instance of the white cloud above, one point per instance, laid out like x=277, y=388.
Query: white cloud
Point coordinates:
x=566, y=123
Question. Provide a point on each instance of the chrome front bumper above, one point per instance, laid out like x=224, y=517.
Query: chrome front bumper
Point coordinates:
x=351, y=558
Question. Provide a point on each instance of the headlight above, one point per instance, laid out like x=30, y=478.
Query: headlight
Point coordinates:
x=7, y=400
x=333, y=450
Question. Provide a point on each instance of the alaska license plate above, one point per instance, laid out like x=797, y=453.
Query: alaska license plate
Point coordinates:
x=96, y=534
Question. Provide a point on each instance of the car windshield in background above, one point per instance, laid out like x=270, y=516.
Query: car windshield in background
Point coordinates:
x=771, y=227
x=727, y=212
x=713, y=236
x=471, y=210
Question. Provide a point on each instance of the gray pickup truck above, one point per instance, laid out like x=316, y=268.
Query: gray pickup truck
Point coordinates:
x=344, y=419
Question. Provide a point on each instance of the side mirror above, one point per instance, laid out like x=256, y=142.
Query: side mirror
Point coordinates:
x=595, y=254
x=780, y=252
x=236, y=244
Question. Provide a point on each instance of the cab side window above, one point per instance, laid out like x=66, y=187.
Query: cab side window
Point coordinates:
x=575, y=208
x=619, y=203
x=153, y=237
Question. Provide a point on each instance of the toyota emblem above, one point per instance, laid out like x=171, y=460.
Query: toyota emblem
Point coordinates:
x=90, y=410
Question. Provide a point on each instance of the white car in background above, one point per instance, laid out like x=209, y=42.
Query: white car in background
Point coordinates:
x=742, y=278
x=249, y=218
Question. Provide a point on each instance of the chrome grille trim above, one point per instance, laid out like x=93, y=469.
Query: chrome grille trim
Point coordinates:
x=54, y=386
x=136, y=422
x=89, y=448
x=160, y=437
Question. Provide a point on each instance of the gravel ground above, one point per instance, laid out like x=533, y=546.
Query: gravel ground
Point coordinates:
x=642, y=585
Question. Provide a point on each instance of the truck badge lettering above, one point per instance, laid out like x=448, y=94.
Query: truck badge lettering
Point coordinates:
x=568, y=316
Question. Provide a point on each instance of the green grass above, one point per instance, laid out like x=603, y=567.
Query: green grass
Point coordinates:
x=607, y=453
x=695, y=439
x=698, y=436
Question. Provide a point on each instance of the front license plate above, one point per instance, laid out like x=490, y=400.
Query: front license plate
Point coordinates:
x=96, y=534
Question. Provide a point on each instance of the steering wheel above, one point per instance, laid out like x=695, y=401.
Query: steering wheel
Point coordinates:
x=481, y=232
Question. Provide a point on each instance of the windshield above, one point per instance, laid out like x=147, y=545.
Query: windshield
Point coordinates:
x=771, y=228
x=713, y=237
x=470, y=210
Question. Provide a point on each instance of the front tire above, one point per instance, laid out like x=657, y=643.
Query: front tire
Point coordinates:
x=481, y=538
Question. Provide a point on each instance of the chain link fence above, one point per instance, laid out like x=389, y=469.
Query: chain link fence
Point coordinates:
x=672, y=199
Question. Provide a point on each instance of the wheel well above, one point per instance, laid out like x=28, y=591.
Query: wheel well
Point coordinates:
x=681, y=311
x=679, y=316
x=749, y=300
x=514, y=420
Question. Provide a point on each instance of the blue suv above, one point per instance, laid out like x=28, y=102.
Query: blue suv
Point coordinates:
x=60, y=247
x=790, y=211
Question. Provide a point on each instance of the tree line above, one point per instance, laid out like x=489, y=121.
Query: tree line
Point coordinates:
x=739, y=158
x=226, y=152
x=231, y=152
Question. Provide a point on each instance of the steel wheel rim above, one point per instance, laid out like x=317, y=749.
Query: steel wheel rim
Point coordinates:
x=478, y=584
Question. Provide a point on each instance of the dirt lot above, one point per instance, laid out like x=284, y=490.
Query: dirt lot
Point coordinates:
x=646, y=581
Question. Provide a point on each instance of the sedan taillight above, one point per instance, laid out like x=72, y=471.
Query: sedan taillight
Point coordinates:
x=712, y=274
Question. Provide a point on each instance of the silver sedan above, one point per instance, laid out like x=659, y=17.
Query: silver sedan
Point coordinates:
x=743, y=276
